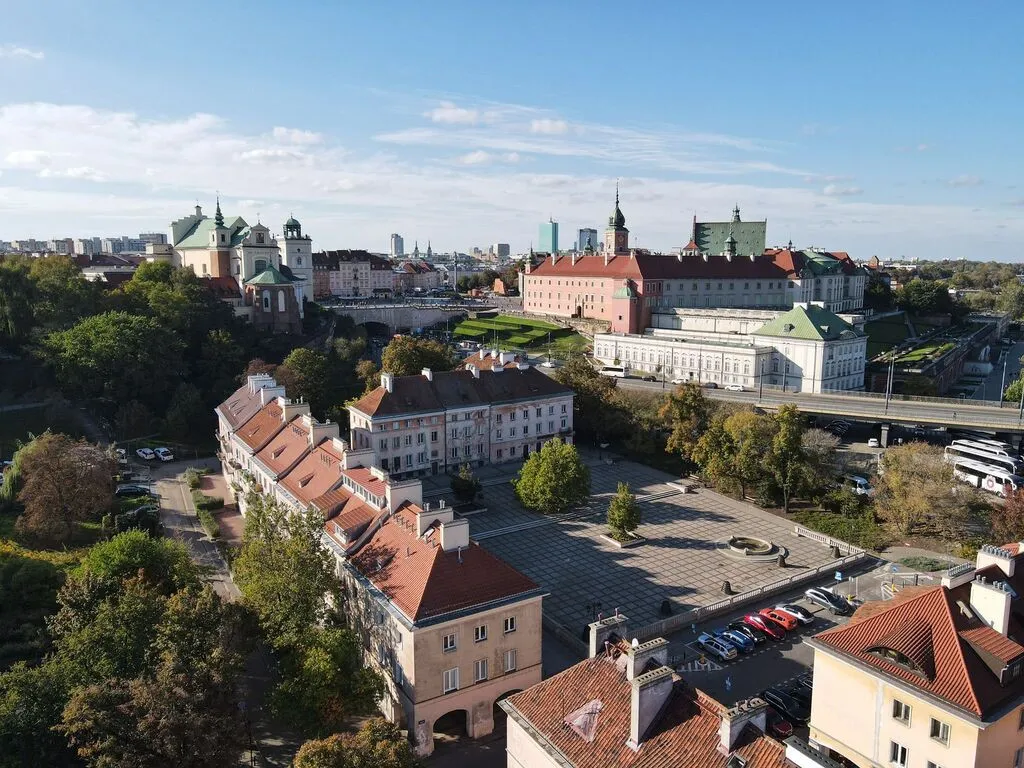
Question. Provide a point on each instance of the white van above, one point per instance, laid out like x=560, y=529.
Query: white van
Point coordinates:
x=858, y=485
x=615, y=371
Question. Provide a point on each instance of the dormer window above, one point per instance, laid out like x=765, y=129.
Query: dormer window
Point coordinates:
x=898, y=658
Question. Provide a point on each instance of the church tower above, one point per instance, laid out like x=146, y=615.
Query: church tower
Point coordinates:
x=616, y=236
x=297, y=252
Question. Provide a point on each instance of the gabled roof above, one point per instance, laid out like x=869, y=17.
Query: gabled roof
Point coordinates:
x=242, y=405
x=287, y=446
x=270, y=276
x=808, y=322
x=953, y=655
x=485, y=360
x=317, y=473
x=199, y=235
x=686, y=734
x=458, y=389
x=261, y=428
x=424, y=582
x=224, y=286
x=334, y=259
x=749, y=236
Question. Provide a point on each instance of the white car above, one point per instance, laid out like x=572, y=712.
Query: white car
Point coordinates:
x=733, y=387
x=547, y=364
x=873, y=443
x=164, y=454
x=146, y=454
x=676, y=382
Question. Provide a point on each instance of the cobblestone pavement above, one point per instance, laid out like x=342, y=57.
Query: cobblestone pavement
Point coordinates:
x=682, y=559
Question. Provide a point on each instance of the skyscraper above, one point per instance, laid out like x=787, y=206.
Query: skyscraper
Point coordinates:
x=501, y=251
x=587, y=237
x=397, y=246
x=548, y=240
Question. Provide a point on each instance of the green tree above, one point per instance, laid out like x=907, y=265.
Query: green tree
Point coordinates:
x=133, y=420
x=186, y=412
x=592, y=404
x=1011, y=298
x=623, y=512
x=687, y=413
x=378, y=744
x=17, y=294
x=324, y=682
x=116, y=355
x=915, y=493
x=31, y=701
x=919, y=384
x=162, y=563
x=1007, y=519
x=28, y=594
x=925, y=297
x=62, y=294
x=283, y=570
x=407, y=356
x=65, y=482
x=369, y=374
x=553, y=479
x=731, y=452
x=785, y=461
x=878, y=295
x=464, y=485
x=308, y=374
x=221, y=358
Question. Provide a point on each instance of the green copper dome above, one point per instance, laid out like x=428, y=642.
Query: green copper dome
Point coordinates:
x=292, y=222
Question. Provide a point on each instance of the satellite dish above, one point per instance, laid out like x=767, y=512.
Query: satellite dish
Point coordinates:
x=635, y=643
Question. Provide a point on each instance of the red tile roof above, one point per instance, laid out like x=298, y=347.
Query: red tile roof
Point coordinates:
x=364, y=476
x=484, y=360
x=348, y=512
x=686, y=735
x=424, y=581
x=318, y=472
x=242, y=405
x=224, y=286
x=947, y=645
x=261, y=428
x=287, y=447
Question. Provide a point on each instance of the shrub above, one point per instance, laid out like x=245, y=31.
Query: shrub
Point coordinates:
x=193, y=476
x=204, y=502
x=465, y=487
x=861, y=530
x=209, y=524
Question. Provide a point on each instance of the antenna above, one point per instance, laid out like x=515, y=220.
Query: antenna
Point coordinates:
x=460, y=554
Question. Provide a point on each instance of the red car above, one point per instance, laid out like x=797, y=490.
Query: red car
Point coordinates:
x=784, y=620
x=770, y=628
x=779, y=726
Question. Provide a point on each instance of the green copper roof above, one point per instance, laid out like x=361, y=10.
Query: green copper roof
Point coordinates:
x=814, y=323
x=269, y=276
x=626, y=291
x=749, y=236
x=821, y=264
x=199, y=235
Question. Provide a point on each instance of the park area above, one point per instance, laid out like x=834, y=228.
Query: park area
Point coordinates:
x=510, y=332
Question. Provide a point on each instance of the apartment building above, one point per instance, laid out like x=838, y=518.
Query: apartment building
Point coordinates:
x=418, y=275
x=623, y=706
x=932, y=678
x=351, y=273
x=437, y=421
x=452, y=628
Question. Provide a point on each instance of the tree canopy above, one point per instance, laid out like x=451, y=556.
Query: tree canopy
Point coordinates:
x=917, y=493
x=553, y=479
x=407, y=356
x=688, y=414
x=623, y=511
x=378, y=744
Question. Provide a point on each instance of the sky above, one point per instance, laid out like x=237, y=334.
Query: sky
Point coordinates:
x=875, y=128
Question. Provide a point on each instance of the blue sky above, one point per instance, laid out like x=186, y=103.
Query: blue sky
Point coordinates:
x=861, y=127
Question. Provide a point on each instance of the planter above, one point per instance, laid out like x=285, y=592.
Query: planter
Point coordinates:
x=635, y=540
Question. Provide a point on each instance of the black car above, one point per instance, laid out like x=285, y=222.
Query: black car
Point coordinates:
x=826, y=599
x=787, y=705
x=806, y=682
x=752, y=632
x=649, y=378
x=131, y=491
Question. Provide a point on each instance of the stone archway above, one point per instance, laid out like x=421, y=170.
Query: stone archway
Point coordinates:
x=498, y=714
x=444, y=733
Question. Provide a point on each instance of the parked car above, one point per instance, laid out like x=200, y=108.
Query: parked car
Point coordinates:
x=837, y=605
x=130, y=491
x=770, y=628
x=786, y=705
x=716, y=647
x=124, y=476
x=806, y=681
x=798, y=692
x=709, y=385
x=164, y=454
x=740, y=641
x=800, y=614
x=778, y=726
x=547, y=364
x=677, y=381
x=784, y=620
x=734, y=388
x=122, y=456
x=745, y=629
x=649, y=377
x=873, y=442
x=146, y=454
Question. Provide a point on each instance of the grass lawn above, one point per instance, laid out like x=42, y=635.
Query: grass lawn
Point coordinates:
x=886, y=334
x=924, y=564
x=507, y=331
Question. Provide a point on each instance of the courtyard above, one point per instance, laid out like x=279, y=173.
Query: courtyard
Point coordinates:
x=683, y=559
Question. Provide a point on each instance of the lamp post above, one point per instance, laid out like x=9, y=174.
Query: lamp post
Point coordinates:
x=1002, y=387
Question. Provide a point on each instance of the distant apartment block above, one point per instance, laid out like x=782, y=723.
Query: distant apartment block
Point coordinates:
x=351, y=273
x=547, y=240
x=586, y=239
x=397, y=249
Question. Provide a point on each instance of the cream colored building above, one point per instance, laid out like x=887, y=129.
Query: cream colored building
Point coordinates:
x=931, y=679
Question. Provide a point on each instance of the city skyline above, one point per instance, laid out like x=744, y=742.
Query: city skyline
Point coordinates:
x=850, y=153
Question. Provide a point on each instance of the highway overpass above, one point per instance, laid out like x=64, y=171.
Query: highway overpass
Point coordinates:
x=871, y=406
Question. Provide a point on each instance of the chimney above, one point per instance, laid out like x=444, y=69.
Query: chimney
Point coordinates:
x=990, y=555
x=574, y=257
x=427, y=374
x=270, y=394
x=639, y=655
x=705, y=256
x=679, y=257
x=607, y=257
x=601, y=629
x=318, y=432
x=506, y=357
x=522, y=366
x=291, y=408
x=455, y=534
x=957, y=575
x=552, y=259
x=990, y=600
x=473, y=370
x=728, y=256
x=387, y=380
x=753, y=256
x=649, y=694
x=753, y=710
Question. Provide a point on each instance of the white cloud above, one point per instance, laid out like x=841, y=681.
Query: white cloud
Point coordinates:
x=546, y=125
x=479, y=157
x=448, y=112
x=82, y=172
x=836, y=190
x=966, y=180
x=8, y=51
x=296, y=136
x=512, y=157
x=272, y=155
x=27, y=158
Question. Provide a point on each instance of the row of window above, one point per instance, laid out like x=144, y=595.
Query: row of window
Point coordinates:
x=450, y=641
x=481, y=673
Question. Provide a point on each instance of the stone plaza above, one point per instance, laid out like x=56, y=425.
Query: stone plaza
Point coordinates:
x=683, y=558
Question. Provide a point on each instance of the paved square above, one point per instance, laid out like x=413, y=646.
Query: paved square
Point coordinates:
x=681, y=561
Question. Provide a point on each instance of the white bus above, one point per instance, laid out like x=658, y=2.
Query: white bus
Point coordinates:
x=985, y=446
x=987, y=477
x=1010, y=450
x=954, y=452
x=616, y=371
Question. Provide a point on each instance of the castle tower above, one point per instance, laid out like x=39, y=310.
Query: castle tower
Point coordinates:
x=616, y=236
x=297, y=253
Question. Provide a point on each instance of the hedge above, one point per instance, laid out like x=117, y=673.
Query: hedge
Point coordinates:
x=209, y=524
x=860, y=530
x=193, y=476
x=202, y=501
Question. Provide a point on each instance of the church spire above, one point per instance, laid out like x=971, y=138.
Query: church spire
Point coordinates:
x=736, y=212
x=218, y=219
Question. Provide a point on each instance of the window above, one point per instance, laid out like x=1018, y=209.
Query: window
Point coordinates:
x=940, y=731
x=512, y=416
x=551, y=426
x=480, y=670
x=384, y=444
x=897, y=754
x=512, y=451
x=499, y=434
x=408, y=459
x=455, y=451
x=448, y=643
x=512, y=432
x=499, y=453
x=901, y=711
x=539, y=413
x=408, y=439
x=266, y=301
x=1020, y=723
x=510, y=624
x=298, y=261
x=450, y=680
x=398, y=462
x=551, y=410
x=1018, y=758
x=933, y=765
x=564, y=424
x=420, y=438
x=396, y=442
x=480, y=633
x=433, y=436
x=510, y=661
x=563, y=409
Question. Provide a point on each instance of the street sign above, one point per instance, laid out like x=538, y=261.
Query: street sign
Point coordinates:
x=839, y=575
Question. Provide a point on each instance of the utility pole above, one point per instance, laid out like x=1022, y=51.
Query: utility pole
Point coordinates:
x=1002, y=387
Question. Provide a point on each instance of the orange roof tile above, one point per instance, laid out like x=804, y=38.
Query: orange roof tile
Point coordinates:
x=318, y=472
x=287, y=447
x=241, y=406
x=686, y=734
x=364, y=477
x=261, y=428
x=424, y=581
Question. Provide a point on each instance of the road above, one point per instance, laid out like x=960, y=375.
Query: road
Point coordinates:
x=991, y=388
x=870, y=407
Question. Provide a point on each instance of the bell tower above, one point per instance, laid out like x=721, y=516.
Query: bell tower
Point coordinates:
x=616, y=236
x=297, y=254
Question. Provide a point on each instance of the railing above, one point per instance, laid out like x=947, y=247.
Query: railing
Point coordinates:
x=828, y=541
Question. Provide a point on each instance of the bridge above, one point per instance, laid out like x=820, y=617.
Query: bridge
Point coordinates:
x=403, y=316
x=982, y=415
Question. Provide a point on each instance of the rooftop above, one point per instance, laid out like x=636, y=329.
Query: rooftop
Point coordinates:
x=334, y=259
x=286, y=447
x=261, y=428
x=809, y=321
x=317, y=473
x=245, y=401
